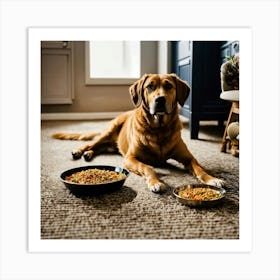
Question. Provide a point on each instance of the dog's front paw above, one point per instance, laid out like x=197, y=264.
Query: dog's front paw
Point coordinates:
x=216, y=182
x=76, y=154
x=156, y=187
x=88, y=155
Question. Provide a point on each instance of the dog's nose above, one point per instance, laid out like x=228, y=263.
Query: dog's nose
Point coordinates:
x=160, y=101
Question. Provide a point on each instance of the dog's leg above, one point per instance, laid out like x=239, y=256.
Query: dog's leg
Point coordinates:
x=90, y=150
x=103, y=144
x=184, y=156
x=86, y=150
x=106, y=141
x=138, y=167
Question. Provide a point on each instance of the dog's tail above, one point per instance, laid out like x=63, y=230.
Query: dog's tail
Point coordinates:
x=75, y=136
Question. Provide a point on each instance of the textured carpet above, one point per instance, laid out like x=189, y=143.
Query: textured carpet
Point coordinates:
x=134, y=212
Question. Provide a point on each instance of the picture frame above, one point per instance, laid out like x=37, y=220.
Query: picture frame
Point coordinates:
x=16, y=201
x=35, y=243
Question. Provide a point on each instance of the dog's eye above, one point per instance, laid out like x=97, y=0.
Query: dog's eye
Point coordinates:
x=151, y=86
x=167, y=86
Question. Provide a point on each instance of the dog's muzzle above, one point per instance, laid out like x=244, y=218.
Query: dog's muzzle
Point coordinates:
x=159, y=106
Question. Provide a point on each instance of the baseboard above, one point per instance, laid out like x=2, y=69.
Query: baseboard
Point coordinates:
x=85, y=116
x=79, y=116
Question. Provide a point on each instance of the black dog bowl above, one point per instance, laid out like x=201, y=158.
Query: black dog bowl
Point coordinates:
x=93, y=189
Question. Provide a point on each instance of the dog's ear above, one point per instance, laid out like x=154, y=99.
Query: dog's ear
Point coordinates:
x=182, y=89
x=136, y=90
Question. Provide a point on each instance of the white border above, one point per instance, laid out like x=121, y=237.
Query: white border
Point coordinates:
x=263, y=260
x=35, y=244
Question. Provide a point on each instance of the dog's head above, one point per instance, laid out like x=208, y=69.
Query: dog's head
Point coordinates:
x=158, y=93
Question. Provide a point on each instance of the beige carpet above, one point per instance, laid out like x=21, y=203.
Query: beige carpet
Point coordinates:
x=134, y=212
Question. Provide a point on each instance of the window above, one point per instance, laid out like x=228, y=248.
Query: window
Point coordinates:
x=113, y=62
x=118, y=59
x=119, y=62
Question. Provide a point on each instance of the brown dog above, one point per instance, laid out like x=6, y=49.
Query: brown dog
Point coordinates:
x=151, y=133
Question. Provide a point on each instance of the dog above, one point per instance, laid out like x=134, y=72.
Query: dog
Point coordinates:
x=150, y=134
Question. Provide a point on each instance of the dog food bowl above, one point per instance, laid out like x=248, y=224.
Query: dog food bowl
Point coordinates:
x=199, y=195
x=87, y=189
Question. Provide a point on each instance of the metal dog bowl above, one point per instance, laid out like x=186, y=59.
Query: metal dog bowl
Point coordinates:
x=199, y=203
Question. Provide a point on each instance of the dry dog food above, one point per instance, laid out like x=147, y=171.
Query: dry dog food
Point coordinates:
x=95, y=176
x=199, y=194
